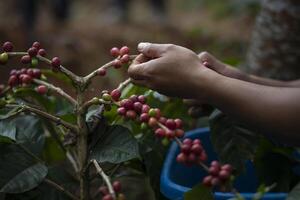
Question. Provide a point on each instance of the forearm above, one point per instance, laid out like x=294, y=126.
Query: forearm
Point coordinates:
x=274, y=110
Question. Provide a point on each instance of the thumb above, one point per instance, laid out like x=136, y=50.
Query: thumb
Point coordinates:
x=152, y=50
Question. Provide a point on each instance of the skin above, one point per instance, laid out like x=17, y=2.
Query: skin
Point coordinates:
x=271, y=106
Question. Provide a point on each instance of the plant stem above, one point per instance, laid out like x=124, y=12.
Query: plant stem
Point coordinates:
x=57, y=90
x=60, y=188
x=105, y=178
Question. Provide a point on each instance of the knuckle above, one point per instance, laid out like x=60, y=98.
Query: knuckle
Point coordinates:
x=204, y=55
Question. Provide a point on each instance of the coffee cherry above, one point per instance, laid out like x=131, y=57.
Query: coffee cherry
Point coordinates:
x=144, y=117
x=145, y=108
x=133, y=98
x=178, y=123
x=7, y=47
x=227, y=167
x=125, y=59
x=160, y=132
x=197, y=141
x=152, y=122
x=144, y=126
x=26, y=79
x=108, y=197
x=215, y=163
x=117, y=186
x=179, y=133
x=37, y=45
x=188, y=141
x=213, y=171
x=32, y=51
x=203, y=156
x=3, y=58
x=152, y=112
x=117, y=64
x=121, y=111
x=37, y=73
x=29, y=72
x=171, y=124
x=181, y=158
x=42, y=52
x=158, y=113
x=124, y=50
x=23, y=71
x=13, y=72
x=162, y=120
x=101, y=72
x=197, y=149
x=34, y=62
x=215, y=181
x=115, y=52
x=106, y=97
x=142, y=99
x=115, y=94
x=104, y=190
x=41, y=89
x=25, y=59
x=224, y=174
x=13, y=80
x=191, y=158
x=207, y=181
x=127, y=103
x=137, y=106
x=55, y=62
x=185, y=148
x=130, y=114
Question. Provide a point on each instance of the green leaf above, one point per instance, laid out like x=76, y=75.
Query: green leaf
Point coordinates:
x=52, y=152
x=13, y=112
x=232, y=142
x=115, y=145
x=199, y=192
x=7, y=130
x=295, y=193
x=18, y=171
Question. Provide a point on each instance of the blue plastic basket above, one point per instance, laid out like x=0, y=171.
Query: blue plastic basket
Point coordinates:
x=176, y=179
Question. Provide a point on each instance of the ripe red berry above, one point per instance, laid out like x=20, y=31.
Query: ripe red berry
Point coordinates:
x=3, y=58
x=117, y=64
x=181, y=158
x=160, y=132
x=130, y=114
x=32, y=51
x=179, y=133
x=125, y=59
x=7, y=46
x=197, y=149
x=124, y=50
x=145, y=108
x=42, y=52
x=26, y=79
x=158, y=113
x=215, y=163
x=152, y=122
x=185, y=148
x=55, y=62
x=25, y=59
x=29, y=72
x=213, y=171
x=197, y=141
x=103, y=190
x=127, y=103
x=101, y=72
x=37, y=73
x=227, y=167
x=224, y=174
x=115, y=52
x=178, y=123
x=215, y=181
x=115, y=94
x=144, y=117
x=117, y=186
x=13, y=72
x=142, y=99
x=171, y=124
x=188, y=141
x=13, y=80
x=108, y=197
x=207, y=181
x=23, y=71
x=121, y=111
x=133, y=98
x=170, y=134
x=42, y=89
x=137, y=106
x=191, y=158
x=37, y=45
x=162, y=120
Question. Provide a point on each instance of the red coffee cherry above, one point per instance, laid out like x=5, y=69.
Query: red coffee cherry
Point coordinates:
x=127, y=103
x=179, y=133
x=145, y=108
x=13, y=80
x=108, y=197
x=171, y=124
x=188, y=141
x=215, y=163
x=144, y=126
x=133, y=98
x=181, y=158
x=55, y=62
x=227, y=167
x=125, y=59
x=42, y=89
x=144, y=117
x=152, y=122
x=197, y=141
x=197, y=149
x=104, y=190
x=170, y=134
x=160, y=132
x=178, y=123
x=117, y=186
x=203, y=156
x=115, y=94
x=13, y=72
x=224, y=174
x=26, y=79
x=101, y=72
x=42, y=52
x=137, y=106
x=29, y=72
x=37, y=45
x=185, y=148
x=162, y=120
x=121, y=111
x=215, y=181
x=213, y=171
x=32, y=51
x=37, y=73
x=124, y=50
x=7, y=46
x=207, y=181
x=142, y=99
x=117, y=64
x=115, y=52
x=26, y=59
x=130, y=114
x=191, y=158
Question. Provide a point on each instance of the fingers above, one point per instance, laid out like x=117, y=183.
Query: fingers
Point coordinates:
x=139, y=68
x=152, y=50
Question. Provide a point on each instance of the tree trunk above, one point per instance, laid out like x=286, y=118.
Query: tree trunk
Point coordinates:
x=275, y=47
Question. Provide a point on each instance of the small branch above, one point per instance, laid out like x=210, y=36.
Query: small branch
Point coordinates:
x=57, y=90
x=46, y=115
x=203, y=166
x=105, y=178
x=94, y=101
x=6, y=89
x=72, y=161
x=124, y=84
x=60, y=188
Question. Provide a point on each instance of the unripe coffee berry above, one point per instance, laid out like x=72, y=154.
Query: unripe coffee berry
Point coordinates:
x=7, y=47
x=55, y=62
x=115, y=52
x=115, y=94
x=144, y=126
x=188, y=141
x=124, y=50
x=42, y=89
x=3, y=58
x=32, y=51
x=117, y=186
x=106, y=97
x=152, y=112
x=34, y=62
x=101, y=72
x=25, y=59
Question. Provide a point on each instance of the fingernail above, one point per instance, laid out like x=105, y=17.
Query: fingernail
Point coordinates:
x=142, y=45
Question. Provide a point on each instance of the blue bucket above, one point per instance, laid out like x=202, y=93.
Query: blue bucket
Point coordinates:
x=176, y=179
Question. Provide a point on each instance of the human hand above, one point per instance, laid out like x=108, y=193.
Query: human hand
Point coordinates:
x=171, y=70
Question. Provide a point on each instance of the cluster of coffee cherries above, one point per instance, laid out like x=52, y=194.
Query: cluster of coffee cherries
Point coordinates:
x=218, y=174
x=116, y=187
x=6, y=47
x=191, y=152
x=121, y=58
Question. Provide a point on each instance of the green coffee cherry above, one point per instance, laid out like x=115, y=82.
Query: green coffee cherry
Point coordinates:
x=144, y=126
x=3, y=58
x=106, y=97
x=152, y=112
x=34, y=62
